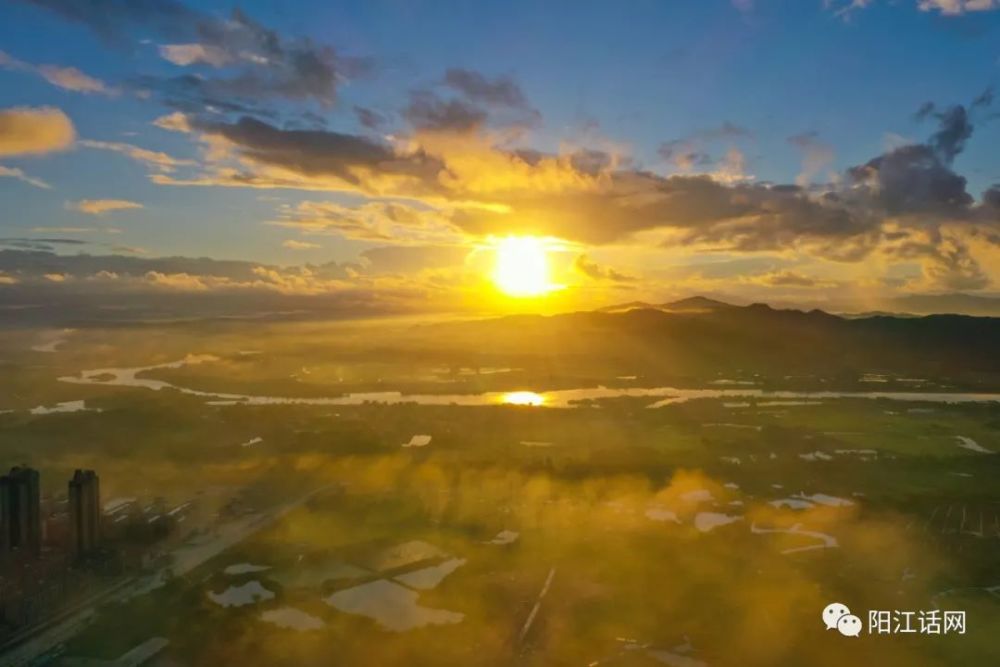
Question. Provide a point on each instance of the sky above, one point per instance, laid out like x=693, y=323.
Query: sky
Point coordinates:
x=376, y=152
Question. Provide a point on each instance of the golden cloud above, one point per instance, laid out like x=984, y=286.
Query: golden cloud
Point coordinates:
x=34, y=131
x=102, y=206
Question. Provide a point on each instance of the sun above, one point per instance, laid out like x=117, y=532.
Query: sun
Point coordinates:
x=522, y=267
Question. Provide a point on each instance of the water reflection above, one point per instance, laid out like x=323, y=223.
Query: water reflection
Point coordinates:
x=522, y=398
x=559, y=398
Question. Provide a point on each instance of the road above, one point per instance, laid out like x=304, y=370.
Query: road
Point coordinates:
x=185, y=558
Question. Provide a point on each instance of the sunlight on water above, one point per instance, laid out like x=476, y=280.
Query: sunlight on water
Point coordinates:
x=522, y=398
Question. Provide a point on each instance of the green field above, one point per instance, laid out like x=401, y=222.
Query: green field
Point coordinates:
x=708, y=532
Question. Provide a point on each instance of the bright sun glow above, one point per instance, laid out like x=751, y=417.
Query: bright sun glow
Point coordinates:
x=522, y=267
x=522, y=398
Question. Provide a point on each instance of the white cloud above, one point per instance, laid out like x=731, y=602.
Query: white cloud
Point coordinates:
x=157, y=160
x=102, y=206
x=67, y=78
x=957, y=7
x=191, y=54
x=292, y=244
x=174, y=122
x=845, y=8
x=11, y=172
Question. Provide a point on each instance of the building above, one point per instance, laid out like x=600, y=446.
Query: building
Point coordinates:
x=20, y=512
x=84, y=512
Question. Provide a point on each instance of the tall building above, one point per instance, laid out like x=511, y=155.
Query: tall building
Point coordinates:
x=84, y=512
x=20, y=511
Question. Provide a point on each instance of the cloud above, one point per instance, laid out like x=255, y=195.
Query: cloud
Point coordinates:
x=174, y=122
x=478, y=101
x=70, y=78
x=918, y=178
x=789, y=278
x=684, y=156
x=254, y=63
x=453, y=183
x=954, y=128
x=10, y=172
x=34, y=131
x=39, y=244
x=75, y=230
x=427, y=111
x=388, y=222
x=190, y=54
x=945, y=259
x=474, y=86
x=991, y=198
x=370, y=118
x=692, y=153
x=103, y=206
x=816, y=156
x=582, y=264
x=128, y=250
x=845, y=8
x=176, y=281
x=331, y=158
x=67, y=78
x=155, y=160
x=293, y=244
x=958, y=7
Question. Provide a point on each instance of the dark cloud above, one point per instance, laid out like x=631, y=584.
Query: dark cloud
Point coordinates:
x=259, y=62
x=912, y=180
x=478, y=99
x=427, y=111
x=322, y=152
x=786, y=278
x=501, y=91
x=46, y=244
x=985, y=99
x=953, y=132
x=918, y=179
x=113, y=20
x=991, y=198
x=680, y=153
x=591, y=162
x=370, y=118
x=691, y=152
x=595, y=271
x=698, y=209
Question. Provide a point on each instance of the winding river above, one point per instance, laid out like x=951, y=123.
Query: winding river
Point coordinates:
x=562, y=398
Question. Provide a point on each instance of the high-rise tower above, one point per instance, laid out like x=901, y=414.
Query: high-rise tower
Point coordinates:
x=20, y=511
x=84, y=512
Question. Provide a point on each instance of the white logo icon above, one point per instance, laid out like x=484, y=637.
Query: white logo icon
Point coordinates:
x=833, y=613
x=849, y=625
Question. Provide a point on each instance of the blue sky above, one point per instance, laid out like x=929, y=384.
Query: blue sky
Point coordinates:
x=597, y=76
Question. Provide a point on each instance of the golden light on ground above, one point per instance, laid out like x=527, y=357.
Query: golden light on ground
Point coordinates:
x=522, y=267
x=522, y=398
